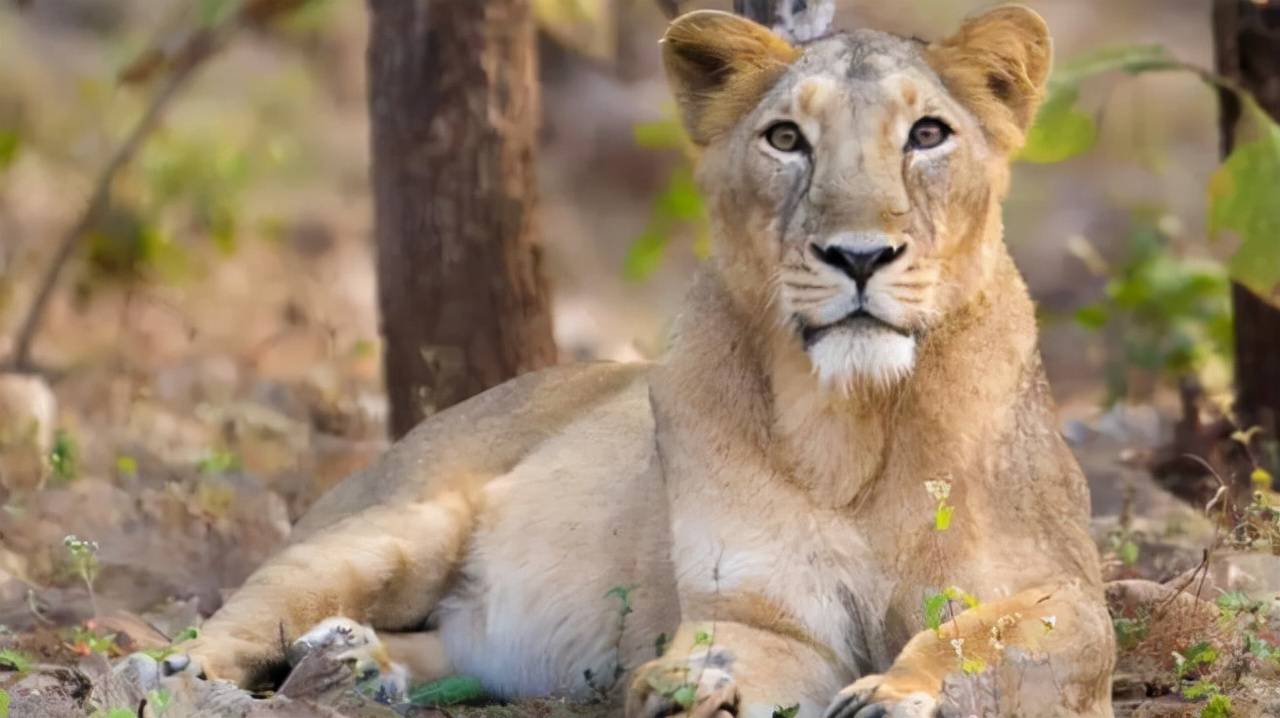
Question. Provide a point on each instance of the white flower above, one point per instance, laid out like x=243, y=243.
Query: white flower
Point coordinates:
x=1050, y=622
x=940, y=489
x=958, y=645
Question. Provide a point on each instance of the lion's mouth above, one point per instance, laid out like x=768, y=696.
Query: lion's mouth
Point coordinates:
x=858, y=318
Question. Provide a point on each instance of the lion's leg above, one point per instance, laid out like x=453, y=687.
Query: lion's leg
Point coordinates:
x=721, y=669
x=386, y=566
x=1067, y=626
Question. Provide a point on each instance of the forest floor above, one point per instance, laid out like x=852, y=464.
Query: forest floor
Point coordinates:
x=186, y=478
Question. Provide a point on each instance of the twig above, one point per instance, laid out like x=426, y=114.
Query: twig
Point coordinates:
x=98, y=203
x=199, y=47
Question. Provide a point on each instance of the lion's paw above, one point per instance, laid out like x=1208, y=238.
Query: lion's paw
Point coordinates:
x=349, y=641
x=700, y=687
x=870, y=697
x=227, y=659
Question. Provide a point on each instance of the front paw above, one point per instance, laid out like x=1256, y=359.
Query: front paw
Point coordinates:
x=694, y=688
x=218, y=658
x=875, y=697
x=356, y=644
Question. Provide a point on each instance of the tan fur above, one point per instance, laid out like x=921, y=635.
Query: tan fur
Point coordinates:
x=758, y=498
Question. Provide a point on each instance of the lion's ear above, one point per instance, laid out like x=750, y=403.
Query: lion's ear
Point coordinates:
x=996, y=65
x=719, y=66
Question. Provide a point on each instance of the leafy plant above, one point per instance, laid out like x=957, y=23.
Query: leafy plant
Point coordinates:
x=4, y=703
x=450, y=691
x=85, y=640
x=1219, y=706
x=1170, y=315
x=1241, y=192
x=218, y=461
x=678, y=207
x=15, y=660
x=63, y=456
x=158, y=699
x=10, y=143
x=1201, y=655
x=935, y=605
x=1130, y=631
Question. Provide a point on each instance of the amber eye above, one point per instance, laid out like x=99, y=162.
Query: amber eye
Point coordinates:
x=785, y=137
x=927, y=133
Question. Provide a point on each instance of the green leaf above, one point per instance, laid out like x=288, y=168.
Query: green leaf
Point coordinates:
x=972, y=665
x=448, y=691
x=1219, y=706
x=1242, y=200
x=1060, y=131
x=1234, y=603
x=63, y=456
x=684, y=695
x=645, y=254
x=1200, y=689
x=666, y=134
x=1128, y=553
x=219, y=461
x=1131, y=59
x=158, y=698
x=701, y=638
x=1092, y=317
x=10, y=141
x=942, y=517
x=934, y=605
x=15, y=660
x=126, y=465
x=214, y=12
x=121, y=713
x=1202, y=654
x=4, y=703
x=680, y=201
x=788, y=712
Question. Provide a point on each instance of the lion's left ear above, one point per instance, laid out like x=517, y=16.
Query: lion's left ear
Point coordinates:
x=997, y=65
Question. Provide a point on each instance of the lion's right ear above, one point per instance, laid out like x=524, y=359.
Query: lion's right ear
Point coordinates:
x=719, y=66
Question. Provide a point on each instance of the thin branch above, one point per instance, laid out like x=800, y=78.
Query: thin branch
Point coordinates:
x=198, y=48
x=97, y=204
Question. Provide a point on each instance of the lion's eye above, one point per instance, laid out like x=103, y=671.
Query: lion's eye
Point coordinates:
x=927, y=133
x=785, y=137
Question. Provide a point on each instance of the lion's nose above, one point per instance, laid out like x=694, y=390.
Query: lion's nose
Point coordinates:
x=859, y=262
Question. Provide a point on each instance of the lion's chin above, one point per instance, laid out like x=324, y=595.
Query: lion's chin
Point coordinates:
x=848, y=358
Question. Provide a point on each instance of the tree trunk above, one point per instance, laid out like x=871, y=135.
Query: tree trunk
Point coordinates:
x=453, y=100
x=1247, y=41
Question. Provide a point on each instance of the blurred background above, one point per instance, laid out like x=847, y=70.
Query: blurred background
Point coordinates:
x=211, y=358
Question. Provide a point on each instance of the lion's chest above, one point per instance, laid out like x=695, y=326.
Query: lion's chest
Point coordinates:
x=816, y=573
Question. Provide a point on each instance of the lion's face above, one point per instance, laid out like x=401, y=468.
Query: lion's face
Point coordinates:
x=857, y=179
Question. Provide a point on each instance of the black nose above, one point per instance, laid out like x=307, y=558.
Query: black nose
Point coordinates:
x=859, y=263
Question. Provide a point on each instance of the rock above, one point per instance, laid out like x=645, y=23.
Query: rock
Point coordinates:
x=28, y=414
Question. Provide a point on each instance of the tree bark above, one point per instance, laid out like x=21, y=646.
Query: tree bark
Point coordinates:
x=453, y=101
x=1247, y=44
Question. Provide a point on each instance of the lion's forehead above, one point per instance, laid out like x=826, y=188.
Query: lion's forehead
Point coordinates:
x=859, y=68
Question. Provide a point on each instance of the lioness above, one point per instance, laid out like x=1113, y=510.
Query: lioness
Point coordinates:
x=855, y=371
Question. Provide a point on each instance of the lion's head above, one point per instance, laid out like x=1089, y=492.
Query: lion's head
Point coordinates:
x=855, y=181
